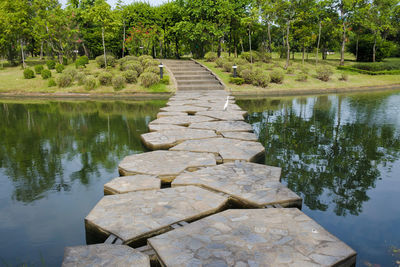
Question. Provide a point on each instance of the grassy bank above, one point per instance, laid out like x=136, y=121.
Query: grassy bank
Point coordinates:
x=12, y=81
x=290, y=85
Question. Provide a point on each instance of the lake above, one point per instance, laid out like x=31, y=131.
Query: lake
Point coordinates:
x=341, y=153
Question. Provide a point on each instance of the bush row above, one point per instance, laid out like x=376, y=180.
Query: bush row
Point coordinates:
x=384, y=72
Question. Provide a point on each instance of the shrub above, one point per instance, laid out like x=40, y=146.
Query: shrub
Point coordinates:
x=165, y=80
x=38, y=69
x=133, y=65
x=127, y=58
x=302, y=77
x=147, y=79
x=130, y=76
x=64, y=61
x=64, y=80
x=110, y=61
x=237, y=80
x=260, y=78
x=153, y=69
x=80, y=78
x=51, y=64
x=290, y=70
x=210, y=56
x=324, y=73
x=90, y=83
x=264, y=56
x=378, y=66
x=344, y=77
x=365, y=48
x=150, y=63
x=105, y=78
x=243, y=67
x=81, y=62
x=142, y=58
x=46, y=74
x=118, y=82
x=59, y=68
x=220, y=62
x=384, y=72
x=29, y=74
x=304, y=70
x=228, y=66
x=277, y=76
x=51, y=83
x=240, y=61
x=254, y=55
x=71, y=72
x=247, y=75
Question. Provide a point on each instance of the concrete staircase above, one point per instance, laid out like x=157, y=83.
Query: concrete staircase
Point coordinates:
x=190, y=75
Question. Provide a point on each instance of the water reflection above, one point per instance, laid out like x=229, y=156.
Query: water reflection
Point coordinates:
x=330, y=148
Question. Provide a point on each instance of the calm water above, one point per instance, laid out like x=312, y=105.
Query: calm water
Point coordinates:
x=341, y=153
x=54, y=159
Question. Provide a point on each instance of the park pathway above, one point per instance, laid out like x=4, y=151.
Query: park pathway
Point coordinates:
x=201, y=198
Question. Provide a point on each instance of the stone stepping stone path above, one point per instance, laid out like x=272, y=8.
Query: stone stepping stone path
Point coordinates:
x=225, y=149
x=166, y=165
x=176, y=200
x=126, y=184
x=135, y=216
x=104, y=255
x=252, y=185
x=255, y=237
x=169, y=138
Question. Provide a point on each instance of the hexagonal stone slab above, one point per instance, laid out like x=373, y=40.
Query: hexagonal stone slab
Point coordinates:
x=226, y=115
x=104, y=255
x=257, y=237
x=161, y=127
x=245, y=136
x=223, y=126
x=166, y=165
x=228, y=149
x=252, y=185
x=181, y=120
x=185, y=108
x=133, y=217
x=126, y=184
x=169, y=138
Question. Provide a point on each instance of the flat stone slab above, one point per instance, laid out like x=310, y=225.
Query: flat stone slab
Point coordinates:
x=183, y=108
x=104, y=255
x=166, y=165
x=226, y=115
x=126, y=184
x=245, y=136
x=170, y=113
x=181, y=120
x=135, y=216
x=223, y=126
x=228, y=149
x=253, y=185
x=169, y=138
x=162, y=127
x=255, y=237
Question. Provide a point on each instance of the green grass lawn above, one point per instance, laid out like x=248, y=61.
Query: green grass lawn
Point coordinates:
x=12, y=81
x=290, y=83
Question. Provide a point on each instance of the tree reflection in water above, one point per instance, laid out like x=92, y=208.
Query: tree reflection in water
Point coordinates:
x=330, y=148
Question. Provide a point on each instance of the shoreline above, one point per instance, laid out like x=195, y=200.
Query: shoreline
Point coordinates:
x=239, y=94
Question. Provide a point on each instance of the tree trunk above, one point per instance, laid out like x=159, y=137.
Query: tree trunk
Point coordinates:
x=41, y=50
x=85, y=50
x=177, y=47
x=22, y=55
x=319, y=40
x=343, y=42
x=269, y=37
x=161, y=49
x=304, y=51
x=374, y=50
x=104, y=47
x=123, y=42
x=220, y=47
x=287, y=45
x=358, y=37
x=251, y=56
x=241, y=43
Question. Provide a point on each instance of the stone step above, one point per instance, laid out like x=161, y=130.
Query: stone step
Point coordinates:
x=197, y=82
x=186, y=68
x=206, y=76
x=201, y=87
x=191, y=72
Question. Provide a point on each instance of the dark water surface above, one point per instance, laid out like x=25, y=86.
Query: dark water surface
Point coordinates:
x=341, y=153
x=54, y=159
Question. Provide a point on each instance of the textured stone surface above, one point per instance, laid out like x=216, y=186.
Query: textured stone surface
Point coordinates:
x=245, y=136
x=185, y=108
x=126, y=184
x=181, y=120
x=166, y=165
x=228, y=149
x=221, y=126
x=169, y=138
x=169, y=114
x=254, y=185
x=258, y=237
x=104, y=255
x=161, y=127
x=226, y=115
x=137, y=215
